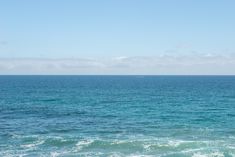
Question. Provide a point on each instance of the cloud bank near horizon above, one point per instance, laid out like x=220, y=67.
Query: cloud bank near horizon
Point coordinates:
x=138, y=65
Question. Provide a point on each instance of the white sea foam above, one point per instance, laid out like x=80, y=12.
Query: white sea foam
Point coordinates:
x=115, y=155
x=118, y=147
x=59, y=153
x=32, y=145
x=213, y=154
x=133, y=155
x=54, y=154
x=84, y=143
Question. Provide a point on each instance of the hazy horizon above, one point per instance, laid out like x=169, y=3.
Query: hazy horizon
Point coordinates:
x=117, y=37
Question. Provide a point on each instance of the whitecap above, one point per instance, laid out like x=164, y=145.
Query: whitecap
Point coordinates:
x=213, y=154
x=84, y=143
x=54, y=154
x=32, y=145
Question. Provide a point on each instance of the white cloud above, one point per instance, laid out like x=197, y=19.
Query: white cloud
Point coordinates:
x=187, y=65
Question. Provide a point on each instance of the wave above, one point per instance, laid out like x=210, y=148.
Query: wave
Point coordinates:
x=39, y=145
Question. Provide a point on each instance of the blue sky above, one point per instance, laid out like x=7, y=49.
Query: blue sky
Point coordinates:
x=113, y=29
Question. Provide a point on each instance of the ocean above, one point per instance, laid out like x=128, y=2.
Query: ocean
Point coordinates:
x=117, y=116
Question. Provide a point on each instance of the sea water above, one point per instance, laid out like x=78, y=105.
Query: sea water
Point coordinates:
x=167, y=116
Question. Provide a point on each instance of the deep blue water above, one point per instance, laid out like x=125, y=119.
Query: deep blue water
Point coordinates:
x=170, y=116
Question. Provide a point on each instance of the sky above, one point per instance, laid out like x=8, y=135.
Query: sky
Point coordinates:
x=170, y=37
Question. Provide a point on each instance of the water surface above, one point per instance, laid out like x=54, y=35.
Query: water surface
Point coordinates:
x=168, y=116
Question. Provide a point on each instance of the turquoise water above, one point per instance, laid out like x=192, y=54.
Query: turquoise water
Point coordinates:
x=168, y=116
